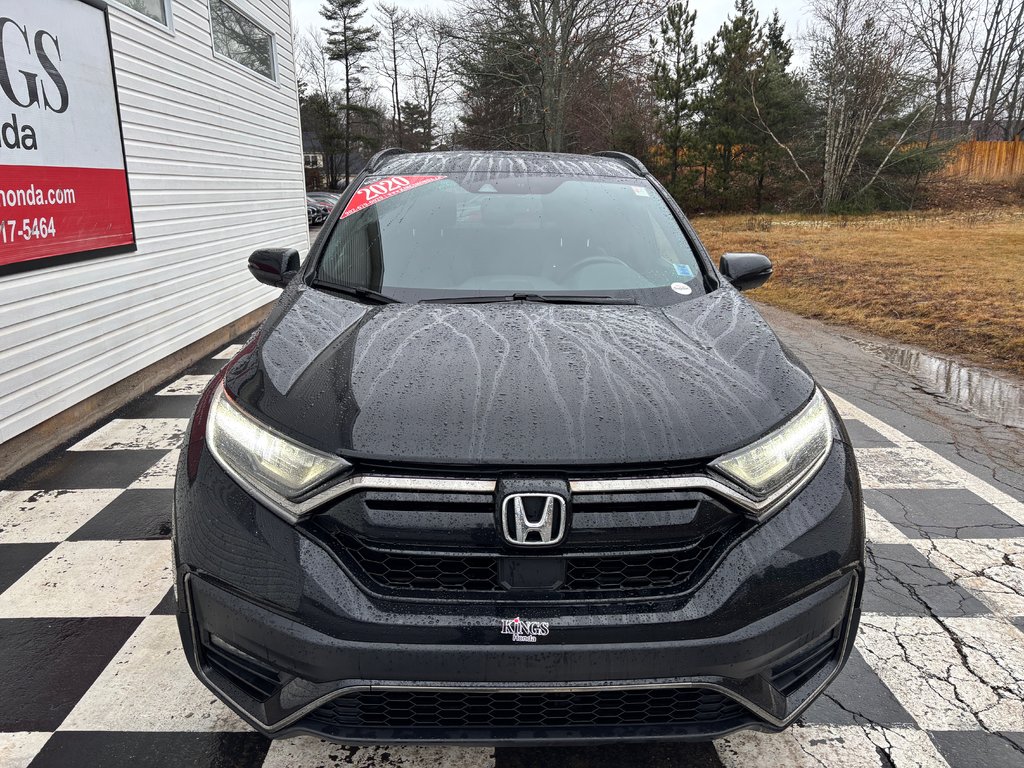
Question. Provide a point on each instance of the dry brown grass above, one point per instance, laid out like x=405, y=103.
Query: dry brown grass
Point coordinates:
x=950, y=282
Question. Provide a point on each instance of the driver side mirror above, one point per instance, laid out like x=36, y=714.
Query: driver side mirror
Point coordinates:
x=746, y=270
x=274, y=266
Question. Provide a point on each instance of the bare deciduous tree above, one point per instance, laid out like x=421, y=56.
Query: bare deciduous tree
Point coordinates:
x=429, y=51
x=863, y=71
x=944, y=31
x=394, y=29
x=997, y=72
x=318, y=75
x=559, y=40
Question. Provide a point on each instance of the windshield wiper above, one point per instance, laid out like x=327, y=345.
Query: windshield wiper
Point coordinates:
x=366, y=295
x=543, y=298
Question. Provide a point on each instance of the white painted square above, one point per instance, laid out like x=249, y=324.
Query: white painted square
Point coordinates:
x=148, y=686
x=192, y=384
x=161, y=474
x=903, y=467
x=849, y=746
x=881, y=531
x=135, y=434
x=228, y=352
x=92, y=578
x=960, y=675
x=305, y=751
x=991, y=569
x=17, y=750
x=44, y=516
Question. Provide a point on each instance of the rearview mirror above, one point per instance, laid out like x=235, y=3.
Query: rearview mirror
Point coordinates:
x=746, y=270
x=274, y=266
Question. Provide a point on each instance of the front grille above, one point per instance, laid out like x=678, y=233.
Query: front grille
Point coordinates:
x=619, y=545
x=515, y=709
x=668, y=569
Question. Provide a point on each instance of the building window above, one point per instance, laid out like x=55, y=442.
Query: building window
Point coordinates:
x=154, y=9
x=241, y=39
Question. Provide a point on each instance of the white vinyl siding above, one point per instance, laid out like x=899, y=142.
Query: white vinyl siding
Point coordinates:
x=215, y=167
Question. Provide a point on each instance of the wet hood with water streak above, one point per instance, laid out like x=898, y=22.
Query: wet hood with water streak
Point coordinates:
x=520, y=383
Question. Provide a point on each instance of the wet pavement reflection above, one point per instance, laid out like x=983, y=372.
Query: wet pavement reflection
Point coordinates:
x=982, y=392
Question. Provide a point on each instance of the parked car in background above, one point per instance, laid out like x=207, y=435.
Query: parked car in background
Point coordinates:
x=330, y=198
x=512, y=460
x=317, y=211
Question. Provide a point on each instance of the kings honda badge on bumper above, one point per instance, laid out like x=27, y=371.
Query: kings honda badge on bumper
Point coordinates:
x=486, y=474
x=525, y=631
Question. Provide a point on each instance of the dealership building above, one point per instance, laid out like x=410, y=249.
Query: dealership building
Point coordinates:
x=148, y=147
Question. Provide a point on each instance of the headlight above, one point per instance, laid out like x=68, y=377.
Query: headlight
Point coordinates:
x=775, y=461
x=261, y=456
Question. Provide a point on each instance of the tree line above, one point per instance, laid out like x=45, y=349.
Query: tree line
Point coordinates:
x=852, y=115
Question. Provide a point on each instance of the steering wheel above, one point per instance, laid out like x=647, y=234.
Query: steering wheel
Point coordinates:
x=590, y=261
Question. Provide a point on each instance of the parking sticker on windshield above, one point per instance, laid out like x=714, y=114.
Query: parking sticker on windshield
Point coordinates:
x=683, y=270
x=681, y=288
x=640, y=192
x=382, y=189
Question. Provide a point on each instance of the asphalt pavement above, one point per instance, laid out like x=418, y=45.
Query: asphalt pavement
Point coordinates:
x=92, y=673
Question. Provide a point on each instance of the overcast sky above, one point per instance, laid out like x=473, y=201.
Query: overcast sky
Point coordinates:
x=710, y=13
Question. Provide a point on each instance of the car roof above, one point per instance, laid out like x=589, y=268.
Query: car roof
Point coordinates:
x=502, y=164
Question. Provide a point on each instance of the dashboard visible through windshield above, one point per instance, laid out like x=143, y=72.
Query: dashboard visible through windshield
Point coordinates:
x=414, y=238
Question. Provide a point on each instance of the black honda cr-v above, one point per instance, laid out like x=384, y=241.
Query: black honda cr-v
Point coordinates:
x=511, y=460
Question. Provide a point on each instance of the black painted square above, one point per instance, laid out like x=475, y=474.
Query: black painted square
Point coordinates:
x=209, y=365
x=142, y=513
x=972, y=749
x=901, y=582
x=948, y=513
x=168, y=605
x=103, y=749
x=86, y=469
x=49, y=664
x=864, y=436
x=162, y=407
x=17, y=559
x=857, y=696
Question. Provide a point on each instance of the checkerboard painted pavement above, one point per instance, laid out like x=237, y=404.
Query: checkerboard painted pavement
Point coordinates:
x=92, y=672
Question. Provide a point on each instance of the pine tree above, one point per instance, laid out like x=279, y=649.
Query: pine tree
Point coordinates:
x=728, y=119
x=349, y=44
x=677, y=73
x=780, y=106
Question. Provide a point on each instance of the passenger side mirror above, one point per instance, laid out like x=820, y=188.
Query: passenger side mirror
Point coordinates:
x=274, y=266
x=746, y=270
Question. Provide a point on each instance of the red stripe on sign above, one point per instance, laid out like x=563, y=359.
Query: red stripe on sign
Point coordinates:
x=46, y=211
x=382, y=189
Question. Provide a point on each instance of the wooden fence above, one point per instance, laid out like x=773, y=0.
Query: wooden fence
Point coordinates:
x=987, y=161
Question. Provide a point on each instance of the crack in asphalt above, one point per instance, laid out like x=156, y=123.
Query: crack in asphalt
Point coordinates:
x=1002, y=693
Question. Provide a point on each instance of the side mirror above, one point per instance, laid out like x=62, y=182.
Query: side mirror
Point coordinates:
x=746, y=270
x=274, y=266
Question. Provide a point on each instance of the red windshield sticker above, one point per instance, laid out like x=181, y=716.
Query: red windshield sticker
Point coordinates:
x=382, y=189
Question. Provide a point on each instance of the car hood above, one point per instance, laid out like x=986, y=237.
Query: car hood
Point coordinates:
x=519, y=383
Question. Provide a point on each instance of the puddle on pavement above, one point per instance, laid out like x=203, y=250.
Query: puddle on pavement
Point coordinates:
x=989, y=396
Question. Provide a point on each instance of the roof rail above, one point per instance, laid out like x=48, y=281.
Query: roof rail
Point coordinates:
x=628, y=160
x=384, y=154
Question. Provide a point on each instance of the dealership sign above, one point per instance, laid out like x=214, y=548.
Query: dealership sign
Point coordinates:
x=63, y=182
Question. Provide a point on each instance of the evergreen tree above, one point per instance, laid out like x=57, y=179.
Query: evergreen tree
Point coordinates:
x=728, y=114
x=349, y=44
x=677, y=73
x=780, y=106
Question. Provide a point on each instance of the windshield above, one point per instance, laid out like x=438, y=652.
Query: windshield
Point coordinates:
x=419, y=238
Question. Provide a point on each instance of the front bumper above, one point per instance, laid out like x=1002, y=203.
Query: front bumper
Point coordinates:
x=278, y=630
